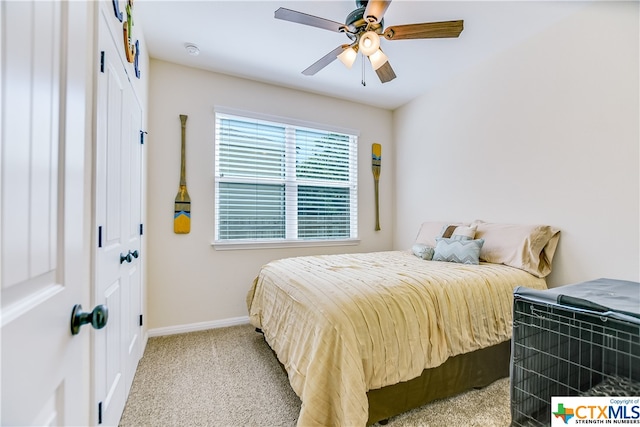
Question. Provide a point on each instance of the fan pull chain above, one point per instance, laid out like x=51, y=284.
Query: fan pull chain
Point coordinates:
x=364, y=83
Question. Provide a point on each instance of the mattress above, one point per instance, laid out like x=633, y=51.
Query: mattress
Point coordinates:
x=345, y=324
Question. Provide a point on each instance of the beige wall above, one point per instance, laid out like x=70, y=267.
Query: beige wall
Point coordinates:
x=188, y=280
x=546, y=132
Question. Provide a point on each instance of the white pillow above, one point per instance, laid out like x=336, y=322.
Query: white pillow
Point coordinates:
x=458, y=232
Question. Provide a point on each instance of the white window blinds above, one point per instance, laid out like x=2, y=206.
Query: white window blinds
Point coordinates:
x=280, y=182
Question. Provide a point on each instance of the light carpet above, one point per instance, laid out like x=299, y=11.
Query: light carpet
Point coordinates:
x=230, y=377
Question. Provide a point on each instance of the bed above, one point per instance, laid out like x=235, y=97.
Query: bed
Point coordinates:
x=366, y=336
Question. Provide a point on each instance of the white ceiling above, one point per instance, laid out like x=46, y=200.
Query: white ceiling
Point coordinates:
x=242, y=38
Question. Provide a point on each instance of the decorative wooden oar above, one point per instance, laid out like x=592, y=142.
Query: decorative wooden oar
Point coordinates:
x=376, y=158
x=182, y=207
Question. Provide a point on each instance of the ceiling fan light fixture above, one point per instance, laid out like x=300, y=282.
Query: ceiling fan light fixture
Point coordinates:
x=348, y=57
x=378, y=58
x=364, y=26
x=369, y=43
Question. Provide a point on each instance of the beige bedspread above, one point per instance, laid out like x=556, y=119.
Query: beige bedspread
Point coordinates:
x=344, y=324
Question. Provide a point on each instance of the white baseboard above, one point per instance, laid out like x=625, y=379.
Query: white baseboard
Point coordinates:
x=201, y=326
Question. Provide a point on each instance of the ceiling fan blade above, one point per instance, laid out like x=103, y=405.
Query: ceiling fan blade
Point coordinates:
x=324, y=61
x=426, y=30
x=305, y=19
x=375, y=10
x=385, y=73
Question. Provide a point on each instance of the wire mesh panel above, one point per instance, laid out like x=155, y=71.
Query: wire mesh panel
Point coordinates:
x=567, y=351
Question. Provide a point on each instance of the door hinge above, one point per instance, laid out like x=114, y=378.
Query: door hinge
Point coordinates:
x=100, y=236
x=102, y=61
x=141, y=323
x=141, y=229
x=142, y=134
x=99, y=412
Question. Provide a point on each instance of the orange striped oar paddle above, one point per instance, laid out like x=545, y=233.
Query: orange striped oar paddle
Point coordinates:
x=376, y=158
x=182, y=207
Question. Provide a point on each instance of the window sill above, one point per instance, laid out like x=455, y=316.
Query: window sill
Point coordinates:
x=231, y=246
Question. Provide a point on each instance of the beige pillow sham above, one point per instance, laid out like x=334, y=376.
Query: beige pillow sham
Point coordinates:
x=431, y=229
x=527, y=247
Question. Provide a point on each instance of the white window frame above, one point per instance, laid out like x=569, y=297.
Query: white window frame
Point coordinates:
x=291, y=196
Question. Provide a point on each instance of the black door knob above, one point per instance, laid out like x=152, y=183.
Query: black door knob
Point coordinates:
x=134, y=253
x=97, y=318
x=126, y=257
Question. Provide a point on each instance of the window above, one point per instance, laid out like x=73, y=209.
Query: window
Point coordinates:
x=280, y=182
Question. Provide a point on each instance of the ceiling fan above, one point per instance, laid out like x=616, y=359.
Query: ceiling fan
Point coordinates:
x=364, y=26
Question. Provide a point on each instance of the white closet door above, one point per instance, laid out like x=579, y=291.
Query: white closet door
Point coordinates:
x=118, y=216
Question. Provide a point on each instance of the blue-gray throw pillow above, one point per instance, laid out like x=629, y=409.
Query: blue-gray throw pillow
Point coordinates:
x=423, y=251
x=460, y=251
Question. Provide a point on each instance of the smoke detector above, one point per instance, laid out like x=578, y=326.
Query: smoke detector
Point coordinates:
x=192, y=49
